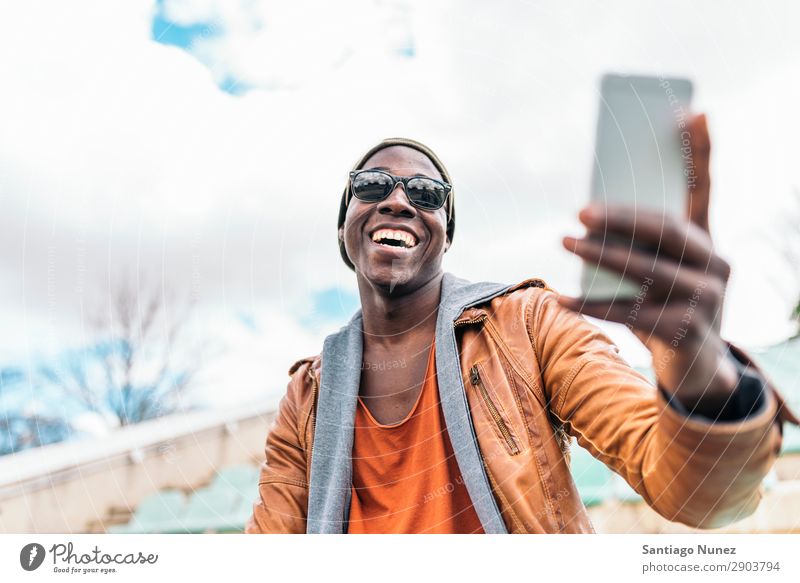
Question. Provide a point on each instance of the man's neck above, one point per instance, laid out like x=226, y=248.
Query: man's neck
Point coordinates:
x=388, y=320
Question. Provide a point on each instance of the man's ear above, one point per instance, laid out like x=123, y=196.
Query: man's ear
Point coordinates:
x=341, y=233
x=446, y=245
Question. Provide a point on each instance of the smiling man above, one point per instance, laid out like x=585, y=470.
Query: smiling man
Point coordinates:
x=445, y=406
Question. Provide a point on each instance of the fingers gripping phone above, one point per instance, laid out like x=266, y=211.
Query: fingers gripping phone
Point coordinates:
x=638, y=160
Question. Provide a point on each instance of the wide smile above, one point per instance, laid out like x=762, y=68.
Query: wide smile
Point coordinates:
x=394, y=238
x=392, y=243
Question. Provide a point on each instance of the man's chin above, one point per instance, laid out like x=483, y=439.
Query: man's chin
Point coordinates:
x=391, y=277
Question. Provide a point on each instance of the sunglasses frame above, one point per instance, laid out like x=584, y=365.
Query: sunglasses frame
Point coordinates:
x=404, y=180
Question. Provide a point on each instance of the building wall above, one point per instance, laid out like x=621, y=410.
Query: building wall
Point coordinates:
x=81, y=497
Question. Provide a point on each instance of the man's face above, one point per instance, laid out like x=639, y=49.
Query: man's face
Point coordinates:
x=397, y=269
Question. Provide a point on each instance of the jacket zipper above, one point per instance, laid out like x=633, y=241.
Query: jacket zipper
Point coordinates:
x=477, y=382
x=475, y=320
x=513, y=362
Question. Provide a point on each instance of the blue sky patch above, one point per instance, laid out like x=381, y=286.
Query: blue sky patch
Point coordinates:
x=171, y=33
x=331, y=305
x=184, y=36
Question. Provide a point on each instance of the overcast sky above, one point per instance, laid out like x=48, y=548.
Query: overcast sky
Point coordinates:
x=215, y=154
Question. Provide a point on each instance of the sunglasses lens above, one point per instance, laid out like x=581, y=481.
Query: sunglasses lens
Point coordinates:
x=426, y=193
x=371, y=186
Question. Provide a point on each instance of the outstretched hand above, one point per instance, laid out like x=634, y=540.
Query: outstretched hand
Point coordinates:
x=678, y=311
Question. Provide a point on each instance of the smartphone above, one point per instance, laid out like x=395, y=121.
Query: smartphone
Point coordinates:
x=639, y=160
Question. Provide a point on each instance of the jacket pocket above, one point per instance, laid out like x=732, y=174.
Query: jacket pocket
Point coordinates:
x=502, y=427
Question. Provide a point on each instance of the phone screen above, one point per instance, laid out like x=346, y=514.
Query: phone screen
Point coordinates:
x=639, y=160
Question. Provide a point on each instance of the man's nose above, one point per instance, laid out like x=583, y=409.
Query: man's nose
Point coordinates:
x=397, y=203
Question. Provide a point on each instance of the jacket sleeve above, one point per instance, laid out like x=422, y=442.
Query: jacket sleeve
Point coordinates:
x=282, y=486
x=687, y=468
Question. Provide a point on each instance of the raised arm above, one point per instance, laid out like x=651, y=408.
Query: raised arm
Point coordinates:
x=697, y=447
x=688, y=468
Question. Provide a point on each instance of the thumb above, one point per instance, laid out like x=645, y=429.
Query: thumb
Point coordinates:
x=698, y=175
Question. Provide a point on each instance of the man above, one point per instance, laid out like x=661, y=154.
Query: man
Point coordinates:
x=445, y=406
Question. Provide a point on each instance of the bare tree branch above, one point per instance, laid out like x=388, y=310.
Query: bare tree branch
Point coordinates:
x=135, y=372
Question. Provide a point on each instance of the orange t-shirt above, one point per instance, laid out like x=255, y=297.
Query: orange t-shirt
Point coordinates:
x=405, y=476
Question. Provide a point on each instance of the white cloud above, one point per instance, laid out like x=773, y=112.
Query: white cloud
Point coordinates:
x=120, y=153
x=253, y=366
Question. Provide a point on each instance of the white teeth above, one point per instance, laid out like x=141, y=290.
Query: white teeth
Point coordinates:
x=407, y=239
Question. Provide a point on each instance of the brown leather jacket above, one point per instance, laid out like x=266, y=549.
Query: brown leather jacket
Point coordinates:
x=536, y=373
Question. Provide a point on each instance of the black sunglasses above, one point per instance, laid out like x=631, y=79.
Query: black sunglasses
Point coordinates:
x=422, y=192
